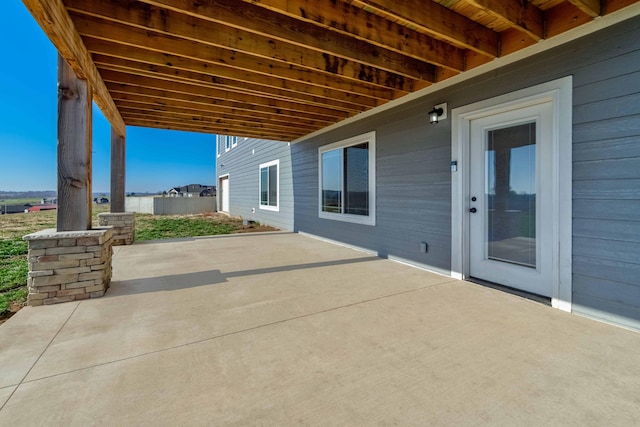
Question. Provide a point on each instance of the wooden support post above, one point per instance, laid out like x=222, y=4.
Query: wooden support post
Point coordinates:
x=117, y=171
x=74, y=150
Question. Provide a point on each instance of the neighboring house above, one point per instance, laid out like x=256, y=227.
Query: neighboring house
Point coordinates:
x=38, y=208
x=254, y=180
x=529, y=180
x=11, y=209
x=192, y=190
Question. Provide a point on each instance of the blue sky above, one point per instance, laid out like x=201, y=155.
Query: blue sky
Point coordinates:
x=156, y=159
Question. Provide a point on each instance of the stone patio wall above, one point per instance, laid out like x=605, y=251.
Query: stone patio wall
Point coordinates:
x=69, y=265
x=123, y=224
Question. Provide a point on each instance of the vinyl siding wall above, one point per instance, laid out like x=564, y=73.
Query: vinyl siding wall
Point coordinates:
x=414, y=179
x=242, y=164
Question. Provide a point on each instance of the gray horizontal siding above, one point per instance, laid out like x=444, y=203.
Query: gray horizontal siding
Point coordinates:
x=414, y=181
x=242, y=164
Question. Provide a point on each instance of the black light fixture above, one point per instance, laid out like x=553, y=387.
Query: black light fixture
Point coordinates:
x=435, y=114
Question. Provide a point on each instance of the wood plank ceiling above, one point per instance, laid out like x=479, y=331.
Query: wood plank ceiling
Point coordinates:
x=280, y=69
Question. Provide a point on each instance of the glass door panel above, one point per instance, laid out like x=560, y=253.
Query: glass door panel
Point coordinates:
x=510, y=194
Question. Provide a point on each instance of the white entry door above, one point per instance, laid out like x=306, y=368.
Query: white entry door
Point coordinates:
x=224, y=197
x=511, y=198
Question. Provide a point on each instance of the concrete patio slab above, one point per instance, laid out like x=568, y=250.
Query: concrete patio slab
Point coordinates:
x=281, y=329
x=5, y=393
x=24, y=339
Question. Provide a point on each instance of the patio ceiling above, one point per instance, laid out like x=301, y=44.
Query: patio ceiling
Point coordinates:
x=281, y=69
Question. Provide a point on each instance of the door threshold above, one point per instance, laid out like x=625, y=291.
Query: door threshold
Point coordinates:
x=523, y=294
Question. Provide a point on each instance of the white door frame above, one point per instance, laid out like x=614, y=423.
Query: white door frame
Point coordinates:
x=558, y=92
x=220, y=192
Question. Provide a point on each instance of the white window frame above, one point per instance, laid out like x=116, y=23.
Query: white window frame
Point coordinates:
x=218, y=142
x=370, y=219
x=234, y=141
x=275, y=208
x=227, y=143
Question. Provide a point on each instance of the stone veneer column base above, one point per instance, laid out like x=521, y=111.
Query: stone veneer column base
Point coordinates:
x=124, y=226
x=68, y=265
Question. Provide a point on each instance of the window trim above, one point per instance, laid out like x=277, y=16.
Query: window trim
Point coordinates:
x=218, y=142
x=369, y=137
x=275, y=208
x=227, y=143
x=234, y=141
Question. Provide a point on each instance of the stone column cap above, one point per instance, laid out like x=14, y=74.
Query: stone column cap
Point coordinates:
x=52, y=233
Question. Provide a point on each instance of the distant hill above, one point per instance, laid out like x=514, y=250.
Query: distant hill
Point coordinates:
x=26, y=194
x=39, y=194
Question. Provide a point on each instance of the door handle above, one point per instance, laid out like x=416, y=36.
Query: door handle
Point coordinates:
x=473, y=210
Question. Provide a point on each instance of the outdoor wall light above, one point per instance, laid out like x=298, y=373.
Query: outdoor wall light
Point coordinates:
x=434, y=114
x=438, y=113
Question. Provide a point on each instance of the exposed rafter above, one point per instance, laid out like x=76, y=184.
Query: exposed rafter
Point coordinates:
x=282, y=69
x=590, y=7
x=349, y=21
x=350, y=62
x=438, y=21
x=57, y=24
x=521, y=15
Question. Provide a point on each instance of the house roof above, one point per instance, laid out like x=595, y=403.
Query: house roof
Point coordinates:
x=281, y=69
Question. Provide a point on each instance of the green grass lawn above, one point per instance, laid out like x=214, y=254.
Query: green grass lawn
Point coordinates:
x=13, y=273
x=149, y=227
x=13, y=250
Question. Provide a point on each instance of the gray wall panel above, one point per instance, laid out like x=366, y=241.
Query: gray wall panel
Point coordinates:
x=607, y=310
x=623, y=231
x=242, y=163
x=616, y=189
x=617, y=148
x=414, y=179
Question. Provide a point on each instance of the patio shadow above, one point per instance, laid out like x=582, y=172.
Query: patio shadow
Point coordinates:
x=211, y=277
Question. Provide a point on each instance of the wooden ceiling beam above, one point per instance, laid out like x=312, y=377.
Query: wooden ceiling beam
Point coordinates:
x=437, y=21
x=214, y=129
x=126, y=107
x=521, y=15
x=145, y=103
x=54, y=19
x=207, y=121
x=213, y=121
x=210, y=131
x=276, y=27
x=122, y=91
x=218, y=95
x=564, y=17
x=236, y=61
x=207, y=32
x=198, y=79
x=150, y=102
x=120, y=51
x=306, y=24
x=592, y=8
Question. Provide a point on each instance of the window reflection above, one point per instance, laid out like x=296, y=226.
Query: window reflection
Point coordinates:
x=345, y=180
x=510, y=187
x=269, y=185
x=332, y=181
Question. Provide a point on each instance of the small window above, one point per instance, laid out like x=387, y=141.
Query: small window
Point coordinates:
x=347, y=180
x=234, y=141
x=227, y=143
x=270, y=186
x=218, y=144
